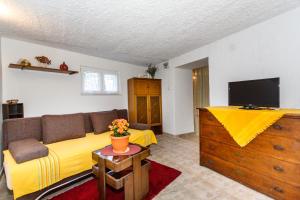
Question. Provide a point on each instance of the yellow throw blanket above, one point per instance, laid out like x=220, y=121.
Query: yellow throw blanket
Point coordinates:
x=65, y=159
x=245, y=125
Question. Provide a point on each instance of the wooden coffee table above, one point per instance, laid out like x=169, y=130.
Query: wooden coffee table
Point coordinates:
x=128, y=171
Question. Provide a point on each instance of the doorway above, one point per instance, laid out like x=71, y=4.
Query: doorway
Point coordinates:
x=200, y=92
x=199, y=88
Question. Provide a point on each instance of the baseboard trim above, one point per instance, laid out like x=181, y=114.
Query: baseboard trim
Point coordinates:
x=179, y=134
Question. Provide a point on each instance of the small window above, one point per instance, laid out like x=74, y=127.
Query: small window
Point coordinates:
x=99, y=81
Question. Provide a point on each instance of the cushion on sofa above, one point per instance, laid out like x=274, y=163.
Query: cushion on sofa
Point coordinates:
x=62, y=127
x=101, y=120
x=122, y=114
x=27, y=149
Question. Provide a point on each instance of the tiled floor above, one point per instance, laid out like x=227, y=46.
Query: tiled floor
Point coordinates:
x=195, y=182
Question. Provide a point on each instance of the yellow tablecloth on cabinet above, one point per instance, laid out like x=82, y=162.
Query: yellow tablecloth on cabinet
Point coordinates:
x=244, y=125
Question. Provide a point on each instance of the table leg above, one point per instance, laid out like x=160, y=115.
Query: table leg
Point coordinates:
x=128, y=187
x=145, y=179
x=137, y=177
x=101, y=179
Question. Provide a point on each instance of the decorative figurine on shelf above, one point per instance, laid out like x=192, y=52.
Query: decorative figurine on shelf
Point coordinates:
x=24, y=62
x=151, y=70
x=12, y=101
x=43, y=60
x=63, y=67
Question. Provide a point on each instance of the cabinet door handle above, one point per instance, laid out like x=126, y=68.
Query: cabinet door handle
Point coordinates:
x=278, y=147
x=212, y=133
x=278, y=168
x=277, y=127
x=210, y=118
x=211, y=147
x=278, y=189
x=238, y=172
x=209, y=161
x=237, y=154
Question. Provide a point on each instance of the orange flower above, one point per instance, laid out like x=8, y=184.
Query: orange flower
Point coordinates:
x=120, y=130
x=119, y=126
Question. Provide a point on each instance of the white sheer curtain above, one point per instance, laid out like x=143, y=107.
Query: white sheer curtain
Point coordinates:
x=99, y=81
x=110, y=83
x=92, y=82
x=200, y=92
x=201, y=87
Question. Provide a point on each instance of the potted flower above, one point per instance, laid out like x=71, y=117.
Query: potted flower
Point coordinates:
x=151, y=70
x=120, y=136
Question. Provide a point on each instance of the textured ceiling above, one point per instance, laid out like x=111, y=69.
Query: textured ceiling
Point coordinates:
x=134, y=31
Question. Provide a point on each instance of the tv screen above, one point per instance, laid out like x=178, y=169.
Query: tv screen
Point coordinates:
x=262, y=93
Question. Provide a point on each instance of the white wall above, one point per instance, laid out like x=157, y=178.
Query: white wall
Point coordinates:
x=167, y=95
x=268, y=49
x=52, y=93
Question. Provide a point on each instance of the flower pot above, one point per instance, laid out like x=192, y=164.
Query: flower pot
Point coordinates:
x=120, y=144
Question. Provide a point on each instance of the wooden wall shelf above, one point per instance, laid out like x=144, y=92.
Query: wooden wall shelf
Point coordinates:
x=42, y=69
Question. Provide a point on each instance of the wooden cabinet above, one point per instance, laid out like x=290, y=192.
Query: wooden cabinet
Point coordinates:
x=144, y=102
x=270, y=163
x=11, y=111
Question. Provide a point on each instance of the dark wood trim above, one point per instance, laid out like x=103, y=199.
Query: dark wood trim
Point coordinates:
x=42, y=69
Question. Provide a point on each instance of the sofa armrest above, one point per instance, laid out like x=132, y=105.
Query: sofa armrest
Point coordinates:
x=140, y=126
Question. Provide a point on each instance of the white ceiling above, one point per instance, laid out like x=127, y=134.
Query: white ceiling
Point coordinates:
x=134, y=31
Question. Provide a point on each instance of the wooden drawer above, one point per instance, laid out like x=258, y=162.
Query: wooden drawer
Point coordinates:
x=285, y=127
x=116, y=179
x=272, y=167
x=278, y=147
x=261, y=183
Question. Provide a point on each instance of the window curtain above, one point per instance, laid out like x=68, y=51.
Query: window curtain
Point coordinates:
x=200, y=92
x=201, y=87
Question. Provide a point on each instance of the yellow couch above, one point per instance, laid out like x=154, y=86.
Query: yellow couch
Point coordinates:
x=65, y=159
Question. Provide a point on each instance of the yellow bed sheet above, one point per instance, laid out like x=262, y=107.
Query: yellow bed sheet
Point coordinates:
x=65, y=159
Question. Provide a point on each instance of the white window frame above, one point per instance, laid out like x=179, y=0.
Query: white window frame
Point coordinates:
x=101, y=72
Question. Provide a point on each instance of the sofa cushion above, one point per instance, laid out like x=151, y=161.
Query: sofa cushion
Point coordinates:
x=21, y=128
x=101, y=120
x=62, y=127
x=27, y=149
x=122, y=114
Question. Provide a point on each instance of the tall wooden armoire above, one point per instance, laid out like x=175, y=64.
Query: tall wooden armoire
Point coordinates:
x=144, y=102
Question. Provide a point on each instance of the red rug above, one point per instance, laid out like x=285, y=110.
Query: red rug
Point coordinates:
x=159, y=177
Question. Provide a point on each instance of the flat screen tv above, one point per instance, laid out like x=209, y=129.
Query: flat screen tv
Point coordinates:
x=261, y=93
